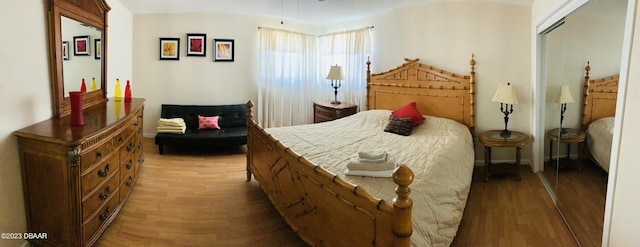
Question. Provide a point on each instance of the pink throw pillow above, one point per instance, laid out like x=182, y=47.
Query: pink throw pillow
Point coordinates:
x=410, y=110
x=208, y=122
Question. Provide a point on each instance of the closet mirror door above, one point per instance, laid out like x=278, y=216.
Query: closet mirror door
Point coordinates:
x=591, y=35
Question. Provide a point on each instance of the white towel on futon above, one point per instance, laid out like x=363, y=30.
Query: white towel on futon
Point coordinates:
x=171, y=122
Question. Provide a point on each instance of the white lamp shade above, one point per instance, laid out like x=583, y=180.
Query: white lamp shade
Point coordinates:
x=565, y=95
x=506, y=94
x=335, y=73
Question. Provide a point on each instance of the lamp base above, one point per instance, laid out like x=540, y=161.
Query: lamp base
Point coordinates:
x=505, y=133
x=562, y=131
x=335, y=102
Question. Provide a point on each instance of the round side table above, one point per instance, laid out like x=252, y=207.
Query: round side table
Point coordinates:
x=569, y=137
x=492, y=139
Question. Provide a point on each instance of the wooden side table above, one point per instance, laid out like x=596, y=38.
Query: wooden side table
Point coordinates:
x=492, y=139
x=569, y=137
x=325, y=111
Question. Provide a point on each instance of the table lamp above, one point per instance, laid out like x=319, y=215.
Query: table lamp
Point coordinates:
x=335, y=74
x=506, y=95
x=563, y=98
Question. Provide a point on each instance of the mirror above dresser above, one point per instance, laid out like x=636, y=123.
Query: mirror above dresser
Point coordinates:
x=77, y=50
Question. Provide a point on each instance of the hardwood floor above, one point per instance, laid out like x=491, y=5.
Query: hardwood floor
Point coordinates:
x=197, y=198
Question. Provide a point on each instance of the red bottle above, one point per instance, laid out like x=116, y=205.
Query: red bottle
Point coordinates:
x=83, y=87
x=127, y=92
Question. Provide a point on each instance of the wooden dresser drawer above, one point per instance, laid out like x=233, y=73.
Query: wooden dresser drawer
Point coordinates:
x=99, y=196
x=91, y=226
x=128, y=167
x=128, y=148
x=93, y=155
x=125, y=187
x=99, y=174
x=325, y=111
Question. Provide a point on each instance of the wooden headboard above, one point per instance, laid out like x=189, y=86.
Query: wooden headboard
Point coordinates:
x=600, y=96
x=436, y=92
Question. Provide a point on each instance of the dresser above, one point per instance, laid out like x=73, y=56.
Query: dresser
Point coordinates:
x=77, y=178
x=325, y=111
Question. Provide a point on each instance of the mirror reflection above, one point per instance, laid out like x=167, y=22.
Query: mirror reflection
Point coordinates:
x=584, y=50
x=82, y=59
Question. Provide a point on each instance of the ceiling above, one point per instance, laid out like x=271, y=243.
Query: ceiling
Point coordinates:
x=307, y=11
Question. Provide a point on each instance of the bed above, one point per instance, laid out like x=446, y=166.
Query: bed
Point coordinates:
x=599, y=106
x=301, y=168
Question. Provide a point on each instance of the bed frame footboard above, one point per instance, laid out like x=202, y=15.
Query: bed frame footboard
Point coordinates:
x=322, y=208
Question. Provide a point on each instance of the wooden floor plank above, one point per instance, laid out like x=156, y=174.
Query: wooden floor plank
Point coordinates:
x=201, y=198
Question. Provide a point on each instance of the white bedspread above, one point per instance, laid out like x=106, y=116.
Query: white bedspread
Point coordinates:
x=439, y=151
x=599, y=138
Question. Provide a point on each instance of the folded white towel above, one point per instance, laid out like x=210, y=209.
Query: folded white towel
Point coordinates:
x=178, y=122
x=372, y=154
x=356, y=163
x=379, y=160
x=171, y=129
x=375, y=174
x=181, y=132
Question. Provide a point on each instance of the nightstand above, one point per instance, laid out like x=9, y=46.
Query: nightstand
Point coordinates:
x=571, y=136
x=325, y=111
x=491, y=139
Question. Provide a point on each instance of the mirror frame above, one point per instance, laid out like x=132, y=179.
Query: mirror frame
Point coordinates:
x=91, y=12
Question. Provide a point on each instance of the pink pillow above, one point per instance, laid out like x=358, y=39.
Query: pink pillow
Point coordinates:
x=208, y=122
x=410, y=110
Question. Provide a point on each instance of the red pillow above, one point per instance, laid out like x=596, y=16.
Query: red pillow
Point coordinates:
x=208, y=122
x=410, y=110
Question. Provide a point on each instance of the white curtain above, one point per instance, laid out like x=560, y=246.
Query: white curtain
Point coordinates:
x=288, y=70
x=349, y=49
x=293, y=69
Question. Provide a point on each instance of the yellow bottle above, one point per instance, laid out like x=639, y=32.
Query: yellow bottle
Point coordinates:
x=118, y=91
x=93, y=84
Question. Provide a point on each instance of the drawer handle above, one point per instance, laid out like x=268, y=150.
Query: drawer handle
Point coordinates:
x=140, y=131
x=130, y=147
x=141, y=158
x=120, y=139
x=99, y=154
x=129, y=165
x=104, y=215
x=140, y=145
x=105, y=194
x=103, y=173
x=129, y=182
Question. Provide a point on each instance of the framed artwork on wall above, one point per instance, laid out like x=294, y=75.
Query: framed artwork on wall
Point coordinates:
x=65, y=50
x=223, y=50
x=169, y=48
x=81, y=45
x=196, y=44
x=97, y=44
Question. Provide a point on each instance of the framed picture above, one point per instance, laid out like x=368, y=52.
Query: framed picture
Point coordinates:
x=223, y=50
x=65, y=50
x=196, y=44
x=97, y=44
x=81, y=45
x=169, y=48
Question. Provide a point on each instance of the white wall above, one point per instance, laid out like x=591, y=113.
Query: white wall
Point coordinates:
x=625, y=199
x=197, y=80
x=25, y=91
x=445, y=35
x=26, y=98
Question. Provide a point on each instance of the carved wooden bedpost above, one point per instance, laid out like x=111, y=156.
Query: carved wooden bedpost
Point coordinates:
x=249, y=129
x=472, y=92
x=368, y=80
x=402, y=204
x=585, y=121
